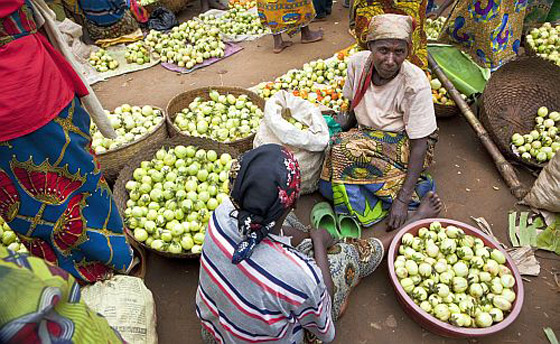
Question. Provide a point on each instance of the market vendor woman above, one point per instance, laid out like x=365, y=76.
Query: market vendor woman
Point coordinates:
x=376, y=167
x=52, y=192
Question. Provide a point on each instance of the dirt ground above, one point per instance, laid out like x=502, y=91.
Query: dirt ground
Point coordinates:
x=466, y=180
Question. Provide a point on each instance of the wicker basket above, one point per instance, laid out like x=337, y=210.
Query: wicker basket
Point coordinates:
x=182, y=100
x=446, y=111
x=113, y=160
x=174, y=6
x=512, y=97
x=120, y=193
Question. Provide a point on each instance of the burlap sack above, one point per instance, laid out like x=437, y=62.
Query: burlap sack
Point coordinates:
x=545, y=193
x=308, y=146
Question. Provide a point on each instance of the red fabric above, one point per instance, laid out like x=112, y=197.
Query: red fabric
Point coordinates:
x=36, y=84
x=362, y=89
x=7, y=7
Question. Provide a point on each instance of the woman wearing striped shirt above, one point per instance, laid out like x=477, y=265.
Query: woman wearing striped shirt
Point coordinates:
x=262, y=282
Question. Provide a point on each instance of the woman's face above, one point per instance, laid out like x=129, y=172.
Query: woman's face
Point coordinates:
x=388, y=56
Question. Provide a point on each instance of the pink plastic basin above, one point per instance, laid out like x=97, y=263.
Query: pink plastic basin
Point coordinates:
x=428, y=321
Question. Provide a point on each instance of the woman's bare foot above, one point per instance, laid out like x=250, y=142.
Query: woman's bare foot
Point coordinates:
x=430, y=206
x=280, y=44
x=308, y=36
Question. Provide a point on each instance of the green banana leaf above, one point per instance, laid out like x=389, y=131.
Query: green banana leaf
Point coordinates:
x=468, y=77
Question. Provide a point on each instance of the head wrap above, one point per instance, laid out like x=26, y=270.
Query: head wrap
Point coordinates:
x=264, y=182
x=390, y=26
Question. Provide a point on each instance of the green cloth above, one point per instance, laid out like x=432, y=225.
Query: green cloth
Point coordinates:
x=334, y=127
x=554, y=13
x=467, y=76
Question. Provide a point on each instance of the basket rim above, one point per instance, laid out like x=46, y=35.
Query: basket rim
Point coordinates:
x=206, y=90
x=119, y=189
x=457, y=331
x=144, y=137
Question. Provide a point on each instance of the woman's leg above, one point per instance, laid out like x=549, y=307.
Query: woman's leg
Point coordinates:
x=308, y=36
x=280, y=44
x=55, y=197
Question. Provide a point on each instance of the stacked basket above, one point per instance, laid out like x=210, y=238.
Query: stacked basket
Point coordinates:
x=183, y=100
x=512, y=97
x=121, y=195
x=114, y=160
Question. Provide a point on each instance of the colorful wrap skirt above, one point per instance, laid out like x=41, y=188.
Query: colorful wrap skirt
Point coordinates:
x=364, y=10
x=41, y=303
x=365, y=169
x=489, y=31
x=53, y=195
x=286, y=16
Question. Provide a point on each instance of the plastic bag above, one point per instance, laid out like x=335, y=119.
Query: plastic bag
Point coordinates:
x=545, y=193
x=308, y=146
x=127, y=304
x=162, y=19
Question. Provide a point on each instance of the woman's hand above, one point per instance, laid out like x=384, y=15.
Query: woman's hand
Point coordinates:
x=322, y=237
x=398, y=214
x=432, y=15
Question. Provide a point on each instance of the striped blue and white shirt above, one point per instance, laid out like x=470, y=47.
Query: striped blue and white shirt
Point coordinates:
x=271, y=297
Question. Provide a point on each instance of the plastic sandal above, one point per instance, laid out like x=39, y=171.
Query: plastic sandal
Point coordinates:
x=322, y=216
x=348, y=226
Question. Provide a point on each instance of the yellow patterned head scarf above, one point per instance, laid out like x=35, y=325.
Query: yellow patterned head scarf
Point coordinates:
x=390, y=26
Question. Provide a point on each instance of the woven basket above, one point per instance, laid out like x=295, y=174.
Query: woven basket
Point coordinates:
x=120, y=193
x=446, y=111
x=182, y=100
x=113, y=160
x=512, y=97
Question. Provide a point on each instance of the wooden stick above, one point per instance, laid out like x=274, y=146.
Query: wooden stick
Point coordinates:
x=504, y=167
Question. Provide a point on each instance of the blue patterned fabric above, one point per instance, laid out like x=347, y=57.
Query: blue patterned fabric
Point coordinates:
x=53, y=195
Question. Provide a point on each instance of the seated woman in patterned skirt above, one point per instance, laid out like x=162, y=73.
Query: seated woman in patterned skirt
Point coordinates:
x=375, y=167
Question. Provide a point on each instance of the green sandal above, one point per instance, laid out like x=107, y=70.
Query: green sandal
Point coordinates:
x=322, y=216
x=348, y=226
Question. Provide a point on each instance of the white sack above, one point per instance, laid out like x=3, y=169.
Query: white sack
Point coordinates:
x=308, y=146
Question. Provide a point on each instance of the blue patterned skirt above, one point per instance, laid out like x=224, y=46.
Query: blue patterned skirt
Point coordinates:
x=53, y=195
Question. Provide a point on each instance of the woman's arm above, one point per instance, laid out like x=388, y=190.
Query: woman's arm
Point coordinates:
x=347, y=120
x=399, y=208
x=321, y=241
x=441, y=9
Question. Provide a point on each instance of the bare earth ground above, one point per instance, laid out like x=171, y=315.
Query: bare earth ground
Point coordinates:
x=464, y=173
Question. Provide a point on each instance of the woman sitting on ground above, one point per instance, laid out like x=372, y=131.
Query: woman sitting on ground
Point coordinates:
x=262, y=281
x=375, y=167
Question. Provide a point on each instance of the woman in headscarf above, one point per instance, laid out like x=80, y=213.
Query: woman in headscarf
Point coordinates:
x=363, y=11
x=52, y=192
x=376, y=168
x=262, y=281
x=490, y=32
x=287, y=17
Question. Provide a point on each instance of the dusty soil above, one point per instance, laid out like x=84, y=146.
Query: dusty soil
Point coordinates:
x=466, y=179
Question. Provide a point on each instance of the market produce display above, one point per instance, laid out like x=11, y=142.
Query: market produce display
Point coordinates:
x=137, y=53
x=102, y=61
x=171, y=197
x=9, y=239
x=543, y=142
x=433, y=27
x=236, y=22
x=247, y=4
x=455, y=277
x=131, y=123
x=545, y=41
x=439, y=93
x=287, y=115
x=319, y=81
x=223, y=118
x=188, y=44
